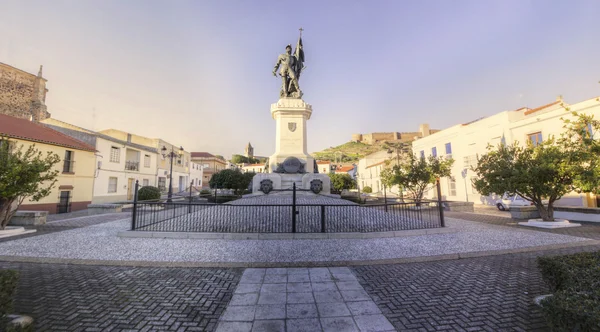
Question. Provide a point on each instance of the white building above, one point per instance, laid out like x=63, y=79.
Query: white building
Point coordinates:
x=196, y=174
x=119, y=163
x=369, y=172
x=324, y=166
x=253, y=168
x=466, y=142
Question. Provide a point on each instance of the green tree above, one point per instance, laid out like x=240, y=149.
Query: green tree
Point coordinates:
x=231, y=179
x=239, y=159
x=581, y=138
x=341, y=181
x=23, y=174
x=367, y=190
x=417, y=175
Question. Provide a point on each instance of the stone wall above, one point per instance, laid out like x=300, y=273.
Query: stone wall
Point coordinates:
x=22, y=94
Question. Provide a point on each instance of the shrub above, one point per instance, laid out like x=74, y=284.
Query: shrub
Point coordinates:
x=575, y=281
x=222, y=198
x=148, y=193
x=8, y=286
x=367, y=190
x=205, y=192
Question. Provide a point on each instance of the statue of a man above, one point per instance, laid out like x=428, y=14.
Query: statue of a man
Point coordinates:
x=291, y=67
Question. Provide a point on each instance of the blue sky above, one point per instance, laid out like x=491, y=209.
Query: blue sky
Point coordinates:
x=198, y=73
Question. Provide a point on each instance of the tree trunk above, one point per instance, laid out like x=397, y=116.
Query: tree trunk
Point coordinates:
x=7, y=210
x=547, y=214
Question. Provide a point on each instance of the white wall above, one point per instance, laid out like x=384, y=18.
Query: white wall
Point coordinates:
x=196, y=174
x=471, y=140
x=105, y=169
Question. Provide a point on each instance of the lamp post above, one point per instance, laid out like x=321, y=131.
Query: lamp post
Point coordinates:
x=172, y=155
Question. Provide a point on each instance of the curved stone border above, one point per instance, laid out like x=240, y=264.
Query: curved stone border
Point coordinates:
x=284, y=236
x=9, y=231
x=475, y=254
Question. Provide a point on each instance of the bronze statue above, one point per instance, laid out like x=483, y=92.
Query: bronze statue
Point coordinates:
x=291, y=68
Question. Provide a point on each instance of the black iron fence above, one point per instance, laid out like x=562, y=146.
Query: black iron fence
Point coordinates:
x=195, y=216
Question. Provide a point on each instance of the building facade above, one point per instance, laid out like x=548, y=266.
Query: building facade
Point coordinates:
x=119, y=163
x=324, y=166
x=74, y=186
x=22, y=95
x=253, y=168
x=373, y=138
x=369, y=171
x=210, y=165
x=465, y=143
x=196, y=174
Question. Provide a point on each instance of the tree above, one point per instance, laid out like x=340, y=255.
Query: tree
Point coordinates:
x=548, y=170
x=341, y=181
x=23, y=174
x=239, y=159
x=367, y=190
x=231, y=179
x=417, y=175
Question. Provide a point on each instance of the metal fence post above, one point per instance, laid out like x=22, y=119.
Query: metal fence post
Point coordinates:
x=385, y=199
x=190, y=200
x=439, y=202
x=216, y=194
x=322, y=218
x=294, y=212
x=135, y=198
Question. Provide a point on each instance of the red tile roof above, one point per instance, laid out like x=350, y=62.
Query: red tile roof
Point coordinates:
x=344, y=169
x=541, y=107
x=323, y=162
x=35, y=132
x=201, y=155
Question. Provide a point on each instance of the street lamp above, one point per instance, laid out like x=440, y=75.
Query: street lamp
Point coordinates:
x=172, y=155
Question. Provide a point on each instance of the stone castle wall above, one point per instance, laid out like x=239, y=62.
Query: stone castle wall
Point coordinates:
x=22, y=94
x=373, y=138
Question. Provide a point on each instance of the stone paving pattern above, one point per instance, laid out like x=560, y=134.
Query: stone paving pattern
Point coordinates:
x=99, y=298
x=301, y=299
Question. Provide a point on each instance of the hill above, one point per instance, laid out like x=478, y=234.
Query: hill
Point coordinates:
x=348, y=152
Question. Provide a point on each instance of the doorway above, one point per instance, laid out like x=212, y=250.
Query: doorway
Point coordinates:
x=130, y=182
x=64, y=204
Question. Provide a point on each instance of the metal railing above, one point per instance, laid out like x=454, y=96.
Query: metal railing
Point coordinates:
x=132, y=165
x=195, y=216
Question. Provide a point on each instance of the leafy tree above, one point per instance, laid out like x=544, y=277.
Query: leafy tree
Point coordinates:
x=239, y=159
x=416, y=175
x=23, y=174
x=367, y=190
x=549, y=170
x=342, y=181
x=231, y=179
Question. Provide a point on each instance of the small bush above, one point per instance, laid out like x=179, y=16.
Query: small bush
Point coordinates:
x=367, y=190
x=205, y=192
x=8, y=286
x=148, y=193
x=575, y=281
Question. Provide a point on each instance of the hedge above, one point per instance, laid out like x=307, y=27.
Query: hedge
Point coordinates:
x=575, y=281
x=148, y=193
x=367, y=190
x=8, y=286
x=222, y=198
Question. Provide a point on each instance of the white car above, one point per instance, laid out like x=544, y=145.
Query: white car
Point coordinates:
x=507, y=202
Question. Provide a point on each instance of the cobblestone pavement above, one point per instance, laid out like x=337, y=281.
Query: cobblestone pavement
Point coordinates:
x=99, y=298
x=66, y=224
x=301, y=299
x=587, y=229
x=478, y=294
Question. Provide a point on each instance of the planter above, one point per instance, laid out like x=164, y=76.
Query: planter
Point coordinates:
x=459, y=206
x=557, y=223
x=524, y=212
x=14, y=231
x=94, y=209
x=28, y=218
x=538, y=299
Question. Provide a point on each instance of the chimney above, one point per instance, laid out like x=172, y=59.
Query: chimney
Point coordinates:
x=424, y=129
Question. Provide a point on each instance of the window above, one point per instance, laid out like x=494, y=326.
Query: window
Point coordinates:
x=146, y=160
x=112, y=185
x=162, y=183
x=470, y=161
x=449, y=148
x=115, y=154
x=205, y=165
x=145, y=182
x=434, y=151
x=451, y=187
x=68, y=162
x=535, y=138
x=422, y=154
x=128, y=138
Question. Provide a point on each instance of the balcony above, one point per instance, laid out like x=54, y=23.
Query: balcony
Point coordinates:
x=132, y=166
x=69, y=166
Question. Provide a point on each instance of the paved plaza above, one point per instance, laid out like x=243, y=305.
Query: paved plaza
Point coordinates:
x=492, y=293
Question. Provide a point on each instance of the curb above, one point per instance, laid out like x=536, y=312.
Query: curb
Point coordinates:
x=404, y=260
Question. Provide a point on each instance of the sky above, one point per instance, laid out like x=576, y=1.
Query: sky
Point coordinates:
x=198, y=73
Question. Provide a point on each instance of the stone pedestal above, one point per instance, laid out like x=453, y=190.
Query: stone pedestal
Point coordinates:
x=290, y=115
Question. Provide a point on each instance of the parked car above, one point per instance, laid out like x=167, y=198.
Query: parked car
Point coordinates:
x=508, y=201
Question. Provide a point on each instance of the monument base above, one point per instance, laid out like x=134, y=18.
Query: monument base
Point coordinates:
x=305, y=181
